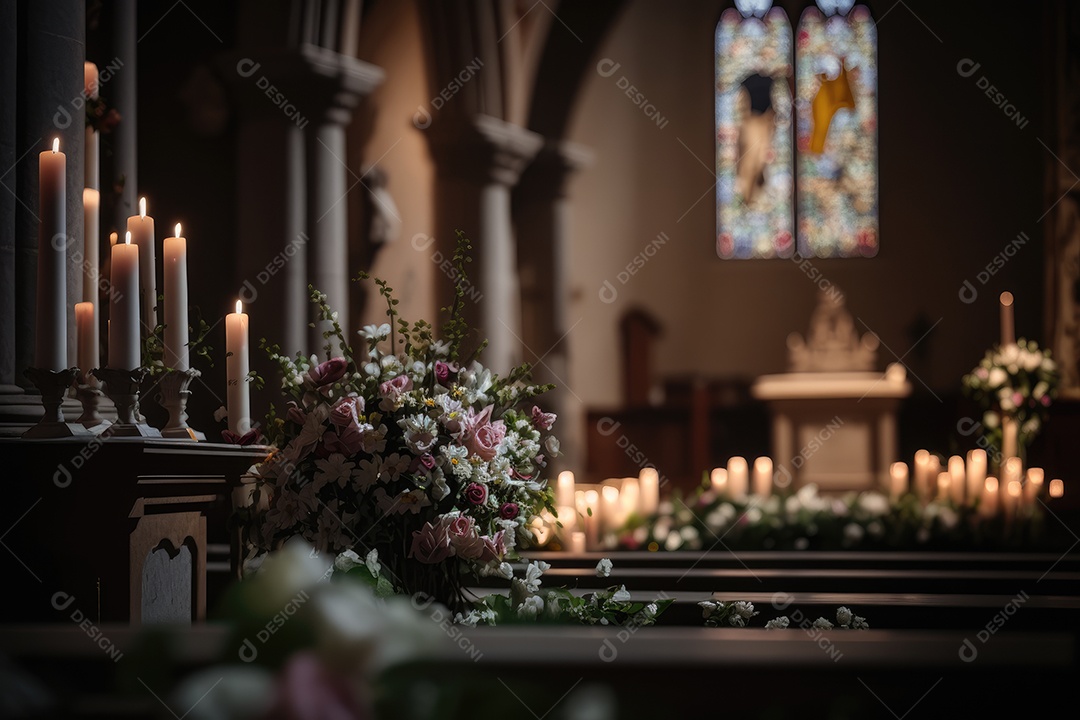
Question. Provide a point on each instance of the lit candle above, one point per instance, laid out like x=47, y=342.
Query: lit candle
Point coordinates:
x=91, y=210
x=567, y=516
x=957, y=479
x=589, y=509
x=91, y=163
x=944, y=480
x=610, y=510
x=577, y=542
x=141, y=227
x=718, y=480
x=174, y=252
x=922, y=474
x=988, y=505
x=976, y=474
x=125, y=352
x=649, y=480
x=1033, y=485
x=933, y=470
x=1057, y=488
x=1008, y=335
x=113, y=237
x=1012, y=501
x=86, y=329
x=238, y=403
x=738, y=477
x=50, y=352
x=898, y=480
x=630, y=497
x=564, y=489
x=763, y=477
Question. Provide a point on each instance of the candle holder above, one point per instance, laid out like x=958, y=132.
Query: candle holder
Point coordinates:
x=53, y=385
x=122, y=387
x=173, y=396
x=89, y=394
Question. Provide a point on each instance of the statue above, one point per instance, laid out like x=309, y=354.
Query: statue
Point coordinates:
x=832, y=343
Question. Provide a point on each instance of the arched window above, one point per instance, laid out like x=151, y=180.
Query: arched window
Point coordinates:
x=753, y=132
x=832, y=176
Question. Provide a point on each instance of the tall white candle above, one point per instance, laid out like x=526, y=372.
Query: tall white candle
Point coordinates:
x=1008, y=333
x=141, y=227
x=921, y=484
x=976, y=474
x=630, y=497
x=564, y=488
x=238, y=401
x=988, y=506
x=125, y=351
x=944, y=480
x=1033, y=485
x=957, y=479
x=763, y=476
x=898, y=480
x=91, y=164
x=87, y=331
x=1056, y=488
x=649, y=480
x=610, y=509
x=577, y=542
x=174, y=253
x=91, y=243
x=589, y=511
x=50, y=351
x=738, y=478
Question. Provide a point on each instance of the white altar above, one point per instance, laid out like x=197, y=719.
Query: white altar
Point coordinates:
x=833, y=415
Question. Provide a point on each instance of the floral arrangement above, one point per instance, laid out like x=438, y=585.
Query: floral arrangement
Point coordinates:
x=739, y=613
x=806, y=520
x=408, y=450
x=1019, y=380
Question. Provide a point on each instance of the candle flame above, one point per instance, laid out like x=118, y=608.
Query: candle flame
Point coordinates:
x=177, y=230
x=113, y=237
x=1006, y=298
x=239, y=307
x=142, y=208
x=56, y=145
x=127, y=238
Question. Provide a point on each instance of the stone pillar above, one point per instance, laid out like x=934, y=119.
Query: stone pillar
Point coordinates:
x=542, y=212
x=8, y=154
x=335, y=85
x=49, y=51
x=477, y=165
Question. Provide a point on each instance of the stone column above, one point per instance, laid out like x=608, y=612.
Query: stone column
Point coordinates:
x=478, y=162
x=8, y=154
x=336, y=84
x=542, y=211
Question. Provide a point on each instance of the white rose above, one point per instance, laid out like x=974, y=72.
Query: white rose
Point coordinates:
x=997, y=377
x=532, y=607
x=552, y=446
x=346, y=561
x=603, y=568
x=843, y=616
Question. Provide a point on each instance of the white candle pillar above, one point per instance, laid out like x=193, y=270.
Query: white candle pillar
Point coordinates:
x=577, y=542
x=988, y=505
x=649, y=481
x=1033, y=485
x=141, y=227
x=564, y=489
x=610, y=510
x=898, y=480
x=957, y=479
x=125, y=351
x=976, y=474
x=91, y=164
x=87, y=334
x=1056, y=488
x=921, y=480
x=174, y=254
x=944, y=480
x=738, y=477
x=238, y=401
x=763, y=479
x=91, y=238
x=630, y=497
x=589, y=509
x=718, y=479
x=50, y=351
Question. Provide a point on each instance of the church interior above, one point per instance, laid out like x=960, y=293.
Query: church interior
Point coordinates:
x=330, y=326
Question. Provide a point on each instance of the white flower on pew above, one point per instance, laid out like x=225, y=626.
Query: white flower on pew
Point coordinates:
x=859, y=623
x=843, y=616
x=531, y=607
x=741, y=612
x=778, y=623
x=603, y=568
x=533, y=574
x=621, y=595
x=708, y=607
x=822, y=624
x=346, y=561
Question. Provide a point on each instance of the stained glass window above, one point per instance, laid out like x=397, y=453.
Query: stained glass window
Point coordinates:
x=832, y=174
x=753, y=132
x=836, y=126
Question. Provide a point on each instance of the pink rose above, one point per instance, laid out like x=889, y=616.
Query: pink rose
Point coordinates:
x=347, y=412
x=427, y=461
x=444, y=372
x=541, y=419
x=328, y=372
x=431, y=544
x=295, y=414
x=494, y=547
x=476, y=493
x=466, y=541
x=508, y=511
x=392, y=390
x=347, y=440
x=480, y=436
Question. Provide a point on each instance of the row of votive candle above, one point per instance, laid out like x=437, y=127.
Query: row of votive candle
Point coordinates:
x=588, y=512
x=737, y=480
x=964, y=481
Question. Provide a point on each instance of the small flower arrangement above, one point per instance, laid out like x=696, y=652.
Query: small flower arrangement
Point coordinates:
x=1020, y=380
x=406, y=452
x=738, y=614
